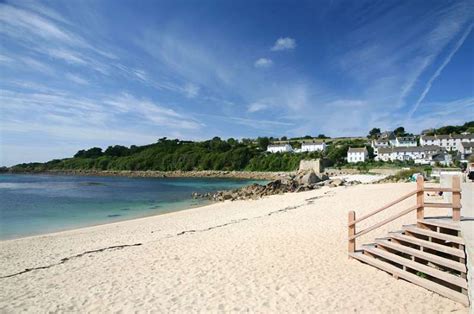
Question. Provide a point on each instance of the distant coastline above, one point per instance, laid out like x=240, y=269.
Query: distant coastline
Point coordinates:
x=255, y=175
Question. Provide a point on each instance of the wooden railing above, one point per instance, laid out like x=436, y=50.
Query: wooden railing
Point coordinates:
x=419, y=207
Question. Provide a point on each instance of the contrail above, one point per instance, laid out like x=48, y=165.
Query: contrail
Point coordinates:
x=439, y=70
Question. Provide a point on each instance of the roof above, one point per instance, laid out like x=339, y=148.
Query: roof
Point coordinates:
x=445, y=136
x=467, y=144
x=416, y=149
x=357, y=150
x=387, y=135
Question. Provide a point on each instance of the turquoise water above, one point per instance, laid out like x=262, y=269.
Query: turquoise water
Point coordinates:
x=38, y=204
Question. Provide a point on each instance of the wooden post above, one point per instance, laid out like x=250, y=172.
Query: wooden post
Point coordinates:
x=456, y=199
x=352, y=231
x=420, y=198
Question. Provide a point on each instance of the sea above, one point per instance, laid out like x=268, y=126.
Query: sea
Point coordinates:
x=39, y=204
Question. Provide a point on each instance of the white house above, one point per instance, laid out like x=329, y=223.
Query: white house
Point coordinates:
x=466, y=150
x=420, y=154
x=448, y=142
x=405, y=141
x=313, y=146
x=380, y=143
x=388, y=136
x=357, y=154
x=279, y=148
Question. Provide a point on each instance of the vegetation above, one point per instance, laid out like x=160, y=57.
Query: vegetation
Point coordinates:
x=453, y=129
x=218, y=154
x=214, y=154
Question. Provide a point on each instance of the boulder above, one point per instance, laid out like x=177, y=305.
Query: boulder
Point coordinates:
x=309, y=178
x=336, y=182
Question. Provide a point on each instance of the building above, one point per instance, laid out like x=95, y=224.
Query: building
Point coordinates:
x=443, y=158
x=388, y=136
x=420, y=154
x=279, y=148
x=313, y=146
x=405, y=141
x=357, y=154
x=466, y=150
x=380, y=143
x=449, y=142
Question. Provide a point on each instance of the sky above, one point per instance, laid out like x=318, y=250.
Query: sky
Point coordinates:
x=78, y=74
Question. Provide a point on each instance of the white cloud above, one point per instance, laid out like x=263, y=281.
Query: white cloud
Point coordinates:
x=257, y=106
x=191, y=90
x=263, y=63
x=67, y=55
x=439, y=70
x=77, y=79
x=284, y=44
x=19, y=24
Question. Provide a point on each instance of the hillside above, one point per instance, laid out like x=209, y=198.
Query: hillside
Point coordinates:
x=171, y=155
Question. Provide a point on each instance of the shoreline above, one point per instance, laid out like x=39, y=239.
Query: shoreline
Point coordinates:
x=105, y=224
x=255, y=175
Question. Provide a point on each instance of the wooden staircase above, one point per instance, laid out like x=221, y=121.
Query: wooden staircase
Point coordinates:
x=429, y=253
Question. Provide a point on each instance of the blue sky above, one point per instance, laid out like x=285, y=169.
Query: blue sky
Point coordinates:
x=77, y=74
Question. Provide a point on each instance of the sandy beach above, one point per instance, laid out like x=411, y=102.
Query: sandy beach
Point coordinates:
x=283, y=253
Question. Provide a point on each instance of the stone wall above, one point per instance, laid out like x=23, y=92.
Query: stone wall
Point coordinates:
x=313, y=164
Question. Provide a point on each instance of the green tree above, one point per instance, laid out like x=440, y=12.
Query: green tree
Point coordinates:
x=374, y=133
x=400, y=131
x=263, y=142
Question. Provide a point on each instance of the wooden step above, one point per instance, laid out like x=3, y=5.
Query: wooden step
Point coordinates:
x=434, y=234
x=445, y=276
x=442, y=223
x=422, y=282
x=423, y=255
x=428, y=244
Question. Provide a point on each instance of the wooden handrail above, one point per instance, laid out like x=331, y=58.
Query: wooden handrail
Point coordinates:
x=404, y=197
x=419, y=207
x=383, y=222
x=441, y=189
x=440, y=205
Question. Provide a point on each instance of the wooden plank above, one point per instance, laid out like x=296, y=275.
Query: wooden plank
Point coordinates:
x=456, y=199
x=422, y=282
x=383, y=222
x=445, y=276
x=433, y=234
x=423, y=255
x=439, y=205
x=427, y=244
x=440, y=189
x=420, y=198
x=352, y=231
x=404, y=197
x=446, y=224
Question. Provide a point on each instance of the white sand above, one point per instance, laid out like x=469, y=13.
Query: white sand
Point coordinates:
x=279, y=254
x=363, y=178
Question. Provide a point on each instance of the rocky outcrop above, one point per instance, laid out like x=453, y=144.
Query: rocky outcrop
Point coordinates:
x=302, y=181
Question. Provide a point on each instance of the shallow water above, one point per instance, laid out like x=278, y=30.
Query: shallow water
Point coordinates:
x=38, y=204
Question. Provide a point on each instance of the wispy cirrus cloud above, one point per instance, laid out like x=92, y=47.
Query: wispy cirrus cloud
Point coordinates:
x=77, y=79
x=439, y=70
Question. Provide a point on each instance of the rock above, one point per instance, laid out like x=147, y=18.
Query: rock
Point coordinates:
x=309, y=178
x=335, y=183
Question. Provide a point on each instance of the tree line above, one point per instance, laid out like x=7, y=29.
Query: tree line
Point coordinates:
x=173, y=154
